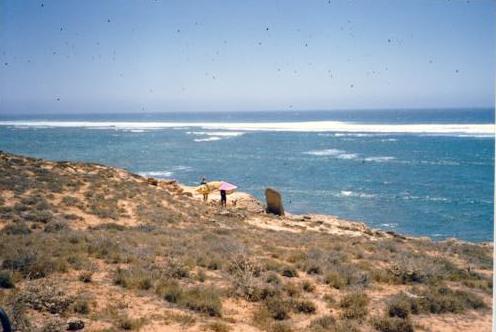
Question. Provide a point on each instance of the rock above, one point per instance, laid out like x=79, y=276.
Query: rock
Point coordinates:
x=274, y=202
x=186, y=193
x=75, y=325
x=247, y=202
x=152, y=181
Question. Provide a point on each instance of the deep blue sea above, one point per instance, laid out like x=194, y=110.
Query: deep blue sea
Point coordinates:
x=418, y=172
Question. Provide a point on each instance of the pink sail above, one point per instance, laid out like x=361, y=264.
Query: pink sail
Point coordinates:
x=227, y=186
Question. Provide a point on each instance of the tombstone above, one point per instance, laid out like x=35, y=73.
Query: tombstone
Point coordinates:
x=274, y=202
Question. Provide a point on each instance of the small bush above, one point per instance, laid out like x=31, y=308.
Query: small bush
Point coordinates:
x=399, y=306
x=134, y=278
x=289, y=271
x=202, y=300
x=170, y=291
x=335, y=280
x=6, y=280
x=280, y=327
x=43, y=216
x=314, y=269
x=307, y=286
x=324, y=323
x=278, y=308
x=129, y=324
x=19, y=228
x=81, y=306
x=442, y=299
x=70, y=201
x=392, y=324
x=292, y=289
x=273, y=278
x=86, y=277
x=304, y=306
x=55, y=226
x=219, y=327
x=354, y=305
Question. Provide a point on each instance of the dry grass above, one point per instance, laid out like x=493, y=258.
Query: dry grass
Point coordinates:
x=68, y=228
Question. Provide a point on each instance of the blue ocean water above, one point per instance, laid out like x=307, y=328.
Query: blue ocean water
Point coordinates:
x=419, y=180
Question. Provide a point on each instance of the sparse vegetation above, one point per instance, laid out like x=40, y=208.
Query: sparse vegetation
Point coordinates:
x=67, y=237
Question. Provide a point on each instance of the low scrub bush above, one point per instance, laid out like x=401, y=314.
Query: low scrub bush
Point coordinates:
x=203, y=300
x=354, y=305
x=392, y=324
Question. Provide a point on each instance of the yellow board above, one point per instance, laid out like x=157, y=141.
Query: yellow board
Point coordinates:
x=209, y=187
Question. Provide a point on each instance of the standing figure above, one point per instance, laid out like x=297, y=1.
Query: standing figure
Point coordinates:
x=205, y=193
x=223, y=198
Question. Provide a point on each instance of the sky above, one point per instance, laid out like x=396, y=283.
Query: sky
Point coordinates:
x=95, y=56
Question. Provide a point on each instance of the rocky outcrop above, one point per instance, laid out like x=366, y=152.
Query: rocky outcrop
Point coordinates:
x=274, y=202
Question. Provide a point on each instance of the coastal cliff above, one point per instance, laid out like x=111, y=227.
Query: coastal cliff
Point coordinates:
x=87, y=246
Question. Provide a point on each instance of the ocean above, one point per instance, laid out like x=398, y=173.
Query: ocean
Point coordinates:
x=416, y=172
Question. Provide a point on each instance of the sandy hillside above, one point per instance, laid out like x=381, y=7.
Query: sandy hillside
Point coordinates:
x=85, y=246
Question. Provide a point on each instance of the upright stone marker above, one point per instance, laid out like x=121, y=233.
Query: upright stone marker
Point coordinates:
x=274, y=202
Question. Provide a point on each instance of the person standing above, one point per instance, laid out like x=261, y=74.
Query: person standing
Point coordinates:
x=206, y=189
x=223, y=198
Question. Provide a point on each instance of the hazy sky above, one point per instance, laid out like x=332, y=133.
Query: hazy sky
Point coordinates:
x=116, y=55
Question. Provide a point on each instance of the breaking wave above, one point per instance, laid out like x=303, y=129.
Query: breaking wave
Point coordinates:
x=338, y=127
x=157, y=174
x=341, y=154
x=349, y=193
x=209, y=139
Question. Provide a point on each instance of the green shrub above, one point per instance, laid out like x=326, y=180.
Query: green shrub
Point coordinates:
x=86, y=276
x=304, y=306
x=19, y=228
x=399, y=306
x=307, y=286
x=392, y=324
x=204, y=300
x=218, y=327
x=435, y=300
x=136, y=278
x=280, y=327
x=55, y=226
x=70, y=201
x=171, y=291
x=278, y=308
x=354, y=305
x=335, y=280
x=6, y=280
x=289, y=271
x=43, y=216
x=81, y=306
x=129, y=324
x=273, y=278
x=324, y=323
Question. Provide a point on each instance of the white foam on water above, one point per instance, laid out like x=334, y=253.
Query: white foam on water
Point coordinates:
x=326, y=152
x=347, y=156
x=210, y=139
x=306, y=126
x=380, y=159
x=392, y=225
x=157, y=174
x=341, y=154
x=349, y=193
x=182, y=168
x=216, y=133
